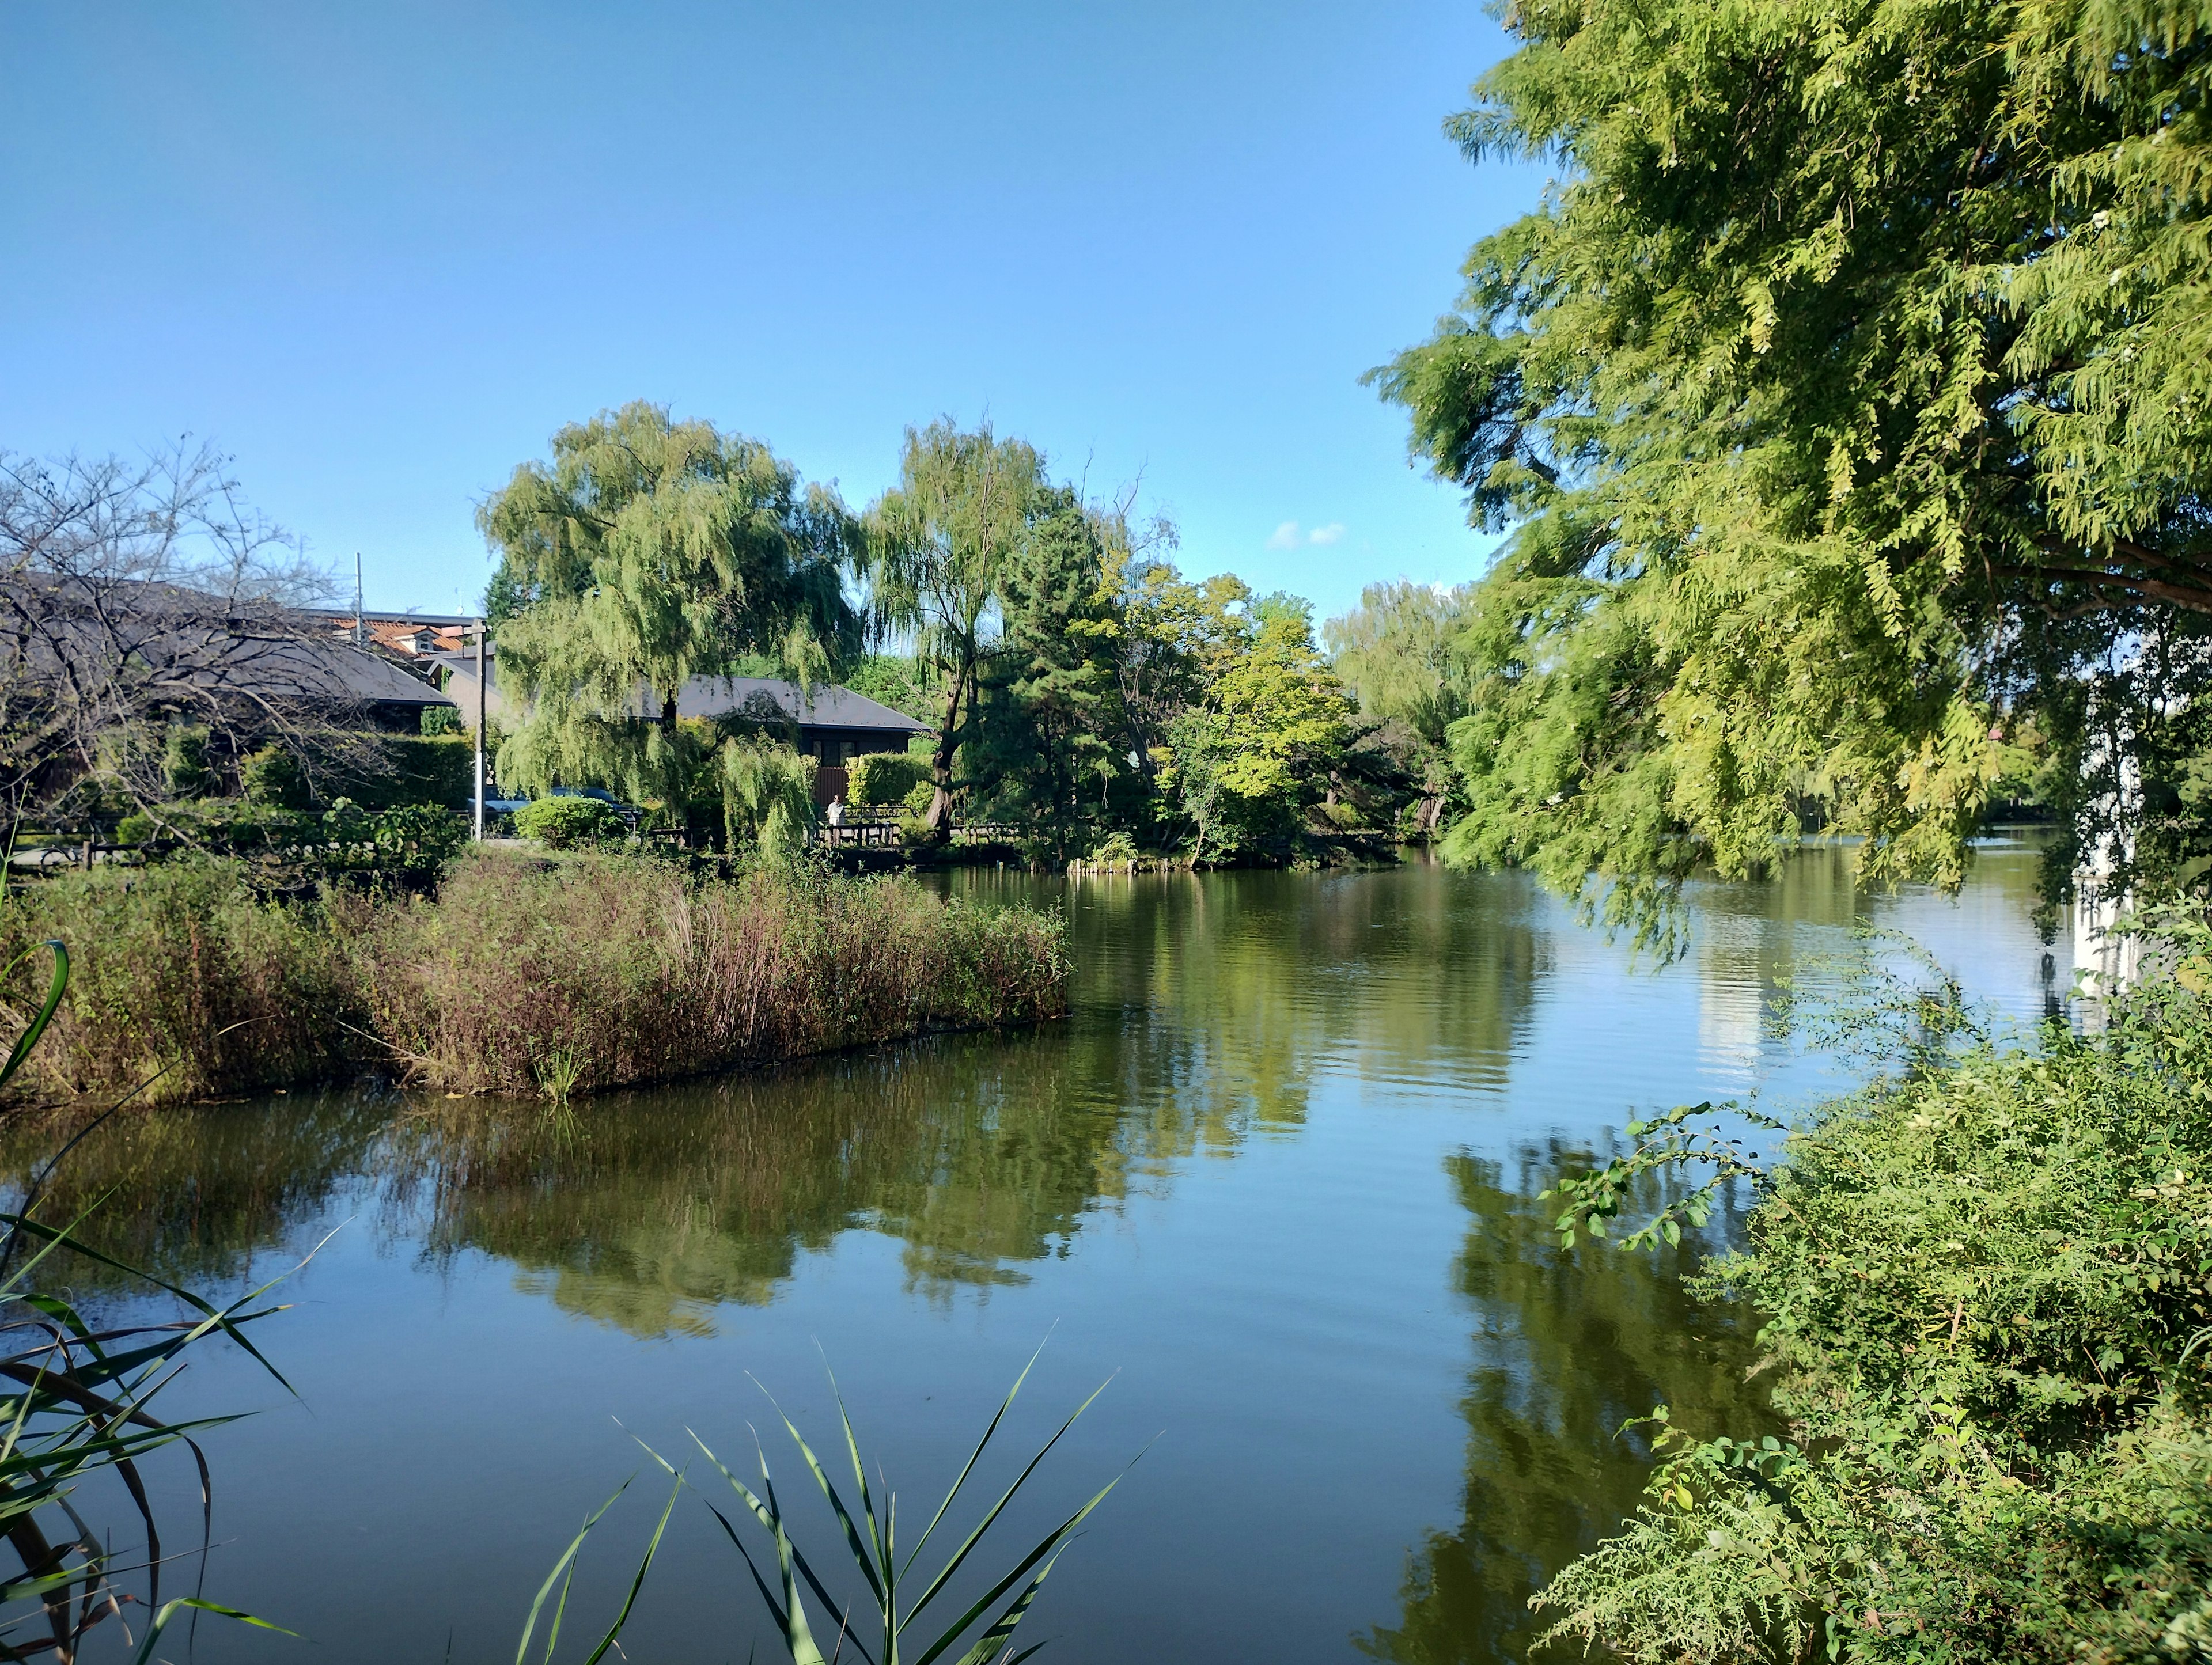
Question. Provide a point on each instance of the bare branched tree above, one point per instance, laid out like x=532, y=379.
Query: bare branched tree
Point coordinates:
x=135, y=596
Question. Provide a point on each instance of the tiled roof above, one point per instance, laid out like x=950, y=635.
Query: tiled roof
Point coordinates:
x=765, y=697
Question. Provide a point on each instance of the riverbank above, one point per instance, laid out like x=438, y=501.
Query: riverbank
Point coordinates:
x=518, y=975
x=1988, y=1287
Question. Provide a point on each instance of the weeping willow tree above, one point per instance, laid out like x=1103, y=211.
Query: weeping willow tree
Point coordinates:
x=1849, y=399
x=942, y=542
x=768, y=796
x=646, y=555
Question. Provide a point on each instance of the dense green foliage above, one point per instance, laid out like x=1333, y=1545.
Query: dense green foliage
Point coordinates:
x=880, y=778
x=567, y=819
x=647, y=553
x=941, y=540
x=1987, y=1284
x=299, y=845
x=1848, y=398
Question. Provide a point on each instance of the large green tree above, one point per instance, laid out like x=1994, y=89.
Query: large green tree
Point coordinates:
x=1258, y=748
x=940, y=542
x=647, y=553
x=1849, y=399
x=1049, y=721
x=1399, y=650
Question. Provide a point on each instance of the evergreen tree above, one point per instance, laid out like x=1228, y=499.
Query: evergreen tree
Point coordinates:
x=1049, y=722
x=1851, y=397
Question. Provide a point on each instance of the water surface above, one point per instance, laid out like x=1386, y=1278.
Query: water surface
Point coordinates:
x=1276, y=1177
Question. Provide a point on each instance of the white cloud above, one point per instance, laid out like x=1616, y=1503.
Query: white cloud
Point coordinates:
x=1285, y=536
x=1331, y=533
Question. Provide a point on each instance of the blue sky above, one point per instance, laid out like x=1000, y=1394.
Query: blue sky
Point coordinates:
x=380, y=253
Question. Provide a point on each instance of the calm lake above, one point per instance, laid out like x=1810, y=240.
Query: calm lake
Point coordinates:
x=1276, y=1177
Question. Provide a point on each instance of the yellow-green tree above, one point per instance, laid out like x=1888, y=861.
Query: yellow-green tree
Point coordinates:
x=1256, y=750
x=645, y=554
x=1849, y=397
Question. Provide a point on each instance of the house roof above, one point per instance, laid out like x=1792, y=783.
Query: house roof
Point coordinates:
x=764, y=698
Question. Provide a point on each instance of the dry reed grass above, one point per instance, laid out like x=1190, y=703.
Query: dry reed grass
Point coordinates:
x=184, y=975
x=520, y=976
x=612, y=970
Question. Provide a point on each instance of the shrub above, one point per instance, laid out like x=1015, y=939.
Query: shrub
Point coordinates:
x=1989, y=1283
x=1117, y=849
x=441, y=720
x=919, y=797
x=415, y=840
x=387, y=771
x=271, y=778
x=884, y=778
x=617, y=970
x=565, y=822
x=185, y=761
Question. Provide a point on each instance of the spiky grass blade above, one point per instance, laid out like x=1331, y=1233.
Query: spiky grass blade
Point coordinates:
x=763, y=1511
x=991, y=1597
x=968, y=1545
x=566, y=1564
x=860, y=1547
x=193, y=1603
x=974, y=1456
x=637, y=1581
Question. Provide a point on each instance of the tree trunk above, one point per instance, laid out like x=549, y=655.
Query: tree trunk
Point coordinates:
x=939, y=818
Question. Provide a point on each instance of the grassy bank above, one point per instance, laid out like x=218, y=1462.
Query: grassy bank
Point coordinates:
x=1987, y=1284
x=516, y=976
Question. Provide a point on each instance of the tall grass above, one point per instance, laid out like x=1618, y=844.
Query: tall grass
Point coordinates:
x=886, y=1606
x=183, y=973
x=519, y=976
x=615, y=970
x=75, y=1408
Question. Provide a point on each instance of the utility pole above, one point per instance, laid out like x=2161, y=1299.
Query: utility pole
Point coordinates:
x=480, y=728
x=359, y=624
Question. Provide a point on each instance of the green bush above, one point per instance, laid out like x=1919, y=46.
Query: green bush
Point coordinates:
x=409, y=769
x=185, y=761
x=1988, y=1283
x=271, y=778
x=563, y=822
x=441, y=720
x=884, y=778
x=919, y=797
x=413, y=839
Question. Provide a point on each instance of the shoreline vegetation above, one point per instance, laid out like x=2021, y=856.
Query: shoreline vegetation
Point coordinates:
x=519, y=975
x=1986, y=1283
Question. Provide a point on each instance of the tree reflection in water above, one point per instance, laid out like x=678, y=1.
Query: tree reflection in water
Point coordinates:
x=1570, y=1345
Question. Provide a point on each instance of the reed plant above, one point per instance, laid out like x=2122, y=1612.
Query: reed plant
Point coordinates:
x=631, y=971
x=185, y=974
x=76, y=1406
x=518, y=975
x=890, y=1611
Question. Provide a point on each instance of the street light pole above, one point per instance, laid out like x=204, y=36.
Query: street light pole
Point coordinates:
x=480, y=728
